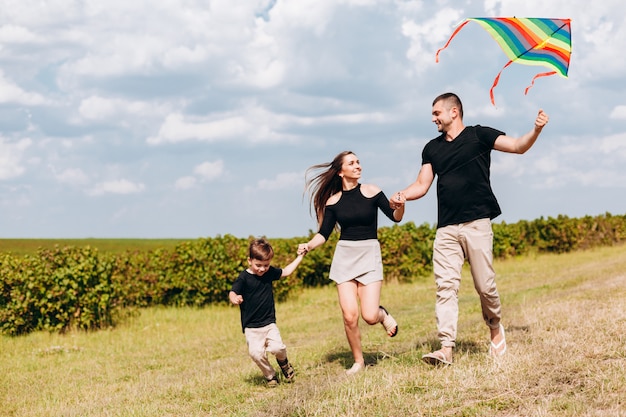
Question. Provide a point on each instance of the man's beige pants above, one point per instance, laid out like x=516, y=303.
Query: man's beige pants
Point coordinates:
x=453, y=244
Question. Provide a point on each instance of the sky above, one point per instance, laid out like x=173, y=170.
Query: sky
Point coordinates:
x=190, y=119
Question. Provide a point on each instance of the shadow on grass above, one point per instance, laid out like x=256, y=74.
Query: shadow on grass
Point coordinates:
x=462, y=346
x=259, y=379
x=256, y=380
x=345, y=359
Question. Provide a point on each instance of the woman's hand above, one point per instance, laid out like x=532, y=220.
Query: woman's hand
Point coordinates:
x=397, y=200
x=303, y=248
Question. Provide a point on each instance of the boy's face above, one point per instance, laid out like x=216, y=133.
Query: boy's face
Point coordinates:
x=258, y=267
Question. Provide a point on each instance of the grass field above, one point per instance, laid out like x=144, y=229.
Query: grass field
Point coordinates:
x=31, y=246
x=565, y=320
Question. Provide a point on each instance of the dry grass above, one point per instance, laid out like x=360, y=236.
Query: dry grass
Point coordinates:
x=564, y=315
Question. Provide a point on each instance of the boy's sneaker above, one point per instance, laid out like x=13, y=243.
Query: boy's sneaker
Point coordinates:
x=272, y=383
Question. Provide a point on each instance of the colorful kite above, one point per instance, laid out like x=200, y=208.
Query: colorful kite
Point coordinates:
x=529, y=41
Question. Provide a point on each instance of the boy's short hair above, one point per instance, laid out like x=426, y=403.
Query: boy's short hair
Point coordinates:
x=261, y=250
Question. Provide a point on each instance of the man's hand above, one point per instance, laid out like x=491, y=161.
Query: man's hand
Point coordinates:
x=541, y=120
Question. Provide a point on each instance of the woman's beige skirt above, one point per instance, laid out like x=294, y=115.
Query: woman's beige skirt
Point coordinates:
x=357, y=259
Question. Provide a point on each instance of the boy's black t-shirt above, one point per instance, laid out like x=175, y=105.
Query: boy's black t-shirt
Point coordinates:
x=462, y=166
x=257, y=309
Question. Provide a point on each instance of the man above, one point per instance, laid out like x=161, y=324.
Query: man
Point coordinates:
x=461, y=158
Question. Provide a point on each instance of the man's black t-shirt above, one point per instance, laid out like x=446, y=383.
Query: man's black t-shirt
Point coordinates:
x=257, y=309
x=462, y=166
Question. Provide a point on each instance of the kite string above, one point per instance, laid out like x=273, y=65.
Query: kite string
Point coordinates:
x=449, y=40
x=543, y=74
x=495, y=82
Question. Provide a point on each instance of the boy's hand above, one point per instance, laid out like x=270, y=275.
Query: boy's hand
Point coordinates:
x=235, y=298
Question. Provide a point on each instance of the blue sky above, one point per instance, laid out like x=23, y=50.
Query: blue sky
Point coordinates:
x=185, y=119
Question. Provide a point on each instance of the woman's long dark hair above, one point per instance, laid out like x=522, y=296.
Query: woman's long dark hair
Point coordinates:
x=324, y=184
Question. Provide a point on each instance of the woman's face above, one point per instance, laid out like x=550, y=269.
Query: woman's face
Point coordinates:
x=350, y=167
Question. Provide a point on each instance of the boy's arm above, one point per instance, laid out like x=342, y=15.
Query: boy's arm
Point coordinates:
x=288, y=270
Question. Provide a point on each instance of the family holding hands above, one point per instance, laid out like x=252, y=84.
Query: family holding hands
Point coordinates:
x=460, y=159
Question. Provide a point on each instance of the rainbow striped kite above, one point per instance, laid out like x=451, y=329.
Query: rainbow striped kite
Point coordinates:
x=529, y=41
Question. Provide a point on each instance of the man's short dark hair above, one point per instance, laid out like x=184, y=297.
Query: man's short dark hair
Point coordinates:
x=452, y=100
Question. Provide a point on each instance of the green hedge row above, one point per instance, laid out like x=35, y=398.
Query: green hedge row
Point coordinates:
x=81, y=288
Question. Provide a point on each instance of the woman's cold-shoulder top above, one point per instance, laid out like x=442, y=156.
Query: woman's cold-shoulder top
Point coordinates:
x=356, y=215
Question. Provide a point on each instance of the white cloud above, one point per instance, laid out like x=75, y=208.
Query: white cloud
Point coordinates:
x=281, y=181
x=179, y=128
x=208, y=171
x=122, y=186
x=250, y=123
x=547, y=165
x=600, y=178
x=618, y=112
x=12, y=93
x=71, y=176
x=11, y=156
x=261, y=65
x=98, y=108
x=253, y=124
x=119, y=54
x=615, y=146
x=307, y=15
x=171, y=36
x=15, y=34
x=186, y=183
x=425, y=36
x=118, y=111
x=204, y=172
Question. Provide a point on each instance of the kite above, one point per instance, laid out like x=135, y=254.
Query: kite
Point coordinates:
x=529, y=41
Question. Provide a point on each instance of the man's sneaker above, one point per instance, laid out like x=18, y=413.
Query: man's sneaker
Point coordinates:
x=272, y=383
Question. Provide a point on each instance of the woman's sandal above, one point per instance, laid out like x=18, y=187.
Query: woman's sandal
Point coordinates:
x=389, y=323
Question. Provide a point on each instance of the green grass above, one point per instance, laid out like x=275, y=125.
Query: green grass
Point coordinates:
x=31, y=246
x=564, y=315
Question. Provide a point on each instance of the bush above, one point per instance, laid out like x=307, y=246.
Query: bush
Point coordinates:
x=79, y=288
x=59, y=289
x=406, y=251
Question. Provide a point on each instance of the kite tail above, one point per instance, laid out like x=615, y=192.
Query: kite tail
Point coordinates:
x=495, y=82
x=543, y=74
x=449, y=40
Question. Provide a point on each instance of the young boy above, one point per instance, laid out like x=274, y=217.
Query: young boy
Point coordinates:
x=253, y=292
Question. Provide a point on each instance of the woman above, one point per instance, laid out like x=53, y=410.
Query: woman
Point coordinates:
x=339, y=198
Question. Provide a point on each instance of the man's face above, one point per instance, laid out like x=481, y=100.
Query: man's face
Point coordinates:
x=442, y=116
x=258, y=267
